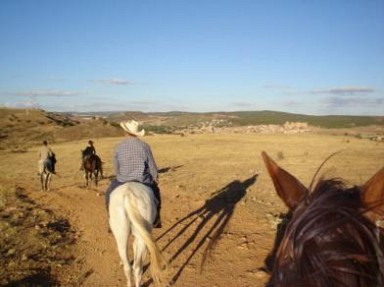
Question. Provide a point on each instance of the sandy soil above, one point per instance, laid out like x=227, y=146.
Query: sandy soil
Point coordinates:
x=214, y=187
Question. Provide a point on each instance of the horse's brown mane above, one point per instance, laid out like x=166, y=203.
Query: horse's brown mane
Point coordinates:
x=329, y=242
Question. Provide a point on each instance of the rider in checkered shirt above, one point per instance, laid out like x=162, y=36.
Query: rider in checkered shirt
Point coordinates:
x=133, y=161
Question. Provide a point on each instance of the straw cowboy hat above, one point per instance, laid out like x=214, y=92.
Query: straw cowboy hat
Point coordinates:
x=132, y=127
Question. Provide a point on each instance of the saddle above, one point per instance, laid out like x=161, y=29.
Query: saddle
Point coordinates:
x=50, y=162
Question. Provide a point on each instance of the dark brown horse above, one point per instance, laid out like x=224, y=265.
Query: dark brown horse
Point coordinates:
x=92, y=166
x=334, y=237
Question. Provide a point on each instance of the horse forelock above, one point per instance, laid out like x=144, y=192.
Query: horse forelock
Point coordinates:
x=329, y=242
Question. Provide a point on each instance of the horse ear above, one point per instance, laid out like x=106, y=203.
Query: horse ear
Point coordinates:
x=373, y=196
x=288, y=187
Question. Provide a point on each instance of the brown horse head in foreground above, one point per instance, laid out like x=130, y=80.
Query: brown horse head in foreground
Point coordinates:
x=334, y=238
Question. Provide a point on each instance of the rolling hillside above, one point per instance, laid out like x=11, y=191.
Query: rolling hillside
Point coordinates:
x=20, y=128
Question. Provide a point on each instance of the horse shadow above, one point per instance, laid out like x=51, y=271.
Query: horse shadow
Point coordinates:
x=218, y=209
x=169, y=168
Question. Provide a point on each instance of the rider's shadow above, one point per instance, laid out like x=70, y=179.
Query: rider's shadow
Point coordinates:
x=219, y=209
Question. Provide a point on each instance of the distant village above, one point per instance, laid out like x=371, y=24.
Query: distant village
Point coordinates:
x=218, y=126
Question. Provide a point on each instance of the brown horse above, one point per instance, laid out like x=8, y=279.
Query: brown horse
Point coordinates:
x=92, y=166
x=333, y=238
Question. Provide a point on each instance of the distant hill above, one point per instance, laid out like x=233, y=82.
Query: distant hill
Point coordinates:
x=279, y=118
x=178, y=119
x=20, y=128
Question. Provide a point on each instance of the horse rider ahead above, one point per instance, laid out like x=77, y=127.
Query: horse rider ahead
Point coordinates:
x=133, y=162
x=87, y=153
x=46, y=159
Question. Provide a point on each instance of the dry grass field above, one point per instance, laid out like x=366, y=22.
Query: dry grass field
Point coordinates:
x=214, y=187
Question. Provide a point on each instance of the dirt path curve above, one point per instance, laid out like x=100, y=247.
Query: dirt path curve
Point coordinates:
x=95, y=247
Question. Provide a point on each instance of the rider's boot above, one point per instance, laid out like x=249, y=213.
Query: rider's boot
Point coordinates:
x=157, y=221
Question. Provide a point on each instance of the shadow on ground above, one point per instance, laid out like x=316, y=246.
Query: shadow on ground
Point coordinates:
x=215, y=214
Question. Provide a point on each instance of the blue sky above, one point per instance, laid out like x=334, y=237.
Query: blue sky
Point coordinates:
x=299, y=56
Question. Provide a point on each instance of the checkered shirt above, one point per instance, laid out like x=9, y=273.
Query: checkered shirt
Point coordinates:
x=133, y=161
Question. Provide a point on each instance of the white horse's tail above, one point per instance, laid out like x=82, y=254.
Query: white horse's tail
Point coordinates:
x=143, y=227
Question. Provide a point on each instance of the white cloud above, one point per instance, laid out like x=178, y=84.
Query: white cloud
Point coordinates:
x=43, y=93
x=352, y=101
x=345, y=90
x=115, y=81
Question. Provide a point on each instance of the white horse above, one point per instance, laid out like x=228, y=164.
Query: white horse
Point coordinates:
x=132, y=209
x=45, y=180
x=46, y=170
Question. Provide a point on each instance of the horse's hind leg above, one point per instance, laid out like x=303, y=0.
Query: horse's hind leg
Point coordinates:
x=48, y=182
x=120, y=229
x=90, y=178
x=42, y=181
x=86, y=178
x=140, y=251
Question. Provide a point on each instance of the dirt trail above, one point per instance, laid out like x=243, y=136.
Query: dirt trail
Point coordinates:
x=221, y=199
x=96, y=248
